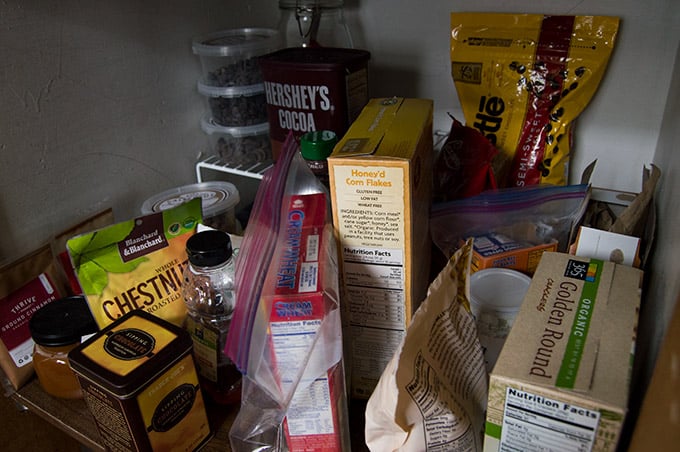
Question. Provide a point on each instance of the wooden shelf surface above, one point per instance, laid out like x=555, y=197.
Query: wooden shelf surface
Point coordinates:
x=74, y=418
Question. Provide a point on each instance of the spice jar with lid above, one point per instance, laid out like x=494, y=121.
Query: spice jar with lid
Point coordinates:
x=57, y=328
x=315, y=148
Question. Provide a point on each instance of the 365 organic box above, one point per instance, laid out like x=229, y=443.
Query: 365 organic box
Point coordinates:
x=381, y=176
x=562, y=379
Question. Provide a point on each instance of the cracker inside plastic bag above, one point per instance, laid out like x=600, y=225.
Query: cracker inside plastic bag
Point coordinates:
x=433, y=393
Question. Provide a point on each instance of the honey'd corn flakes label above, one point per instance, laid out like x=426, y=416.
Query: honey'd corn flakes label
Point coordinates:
x=136, y=264
x=522, y=80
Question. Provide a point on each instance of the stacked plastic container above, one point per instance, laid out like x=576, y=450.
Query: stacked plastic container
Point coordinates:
x=236, y=122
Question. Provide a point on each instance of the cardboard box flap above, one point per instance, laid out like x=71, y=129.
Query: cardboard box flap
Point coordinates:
x=388, y=128
x=369, y=129
x=614, y=362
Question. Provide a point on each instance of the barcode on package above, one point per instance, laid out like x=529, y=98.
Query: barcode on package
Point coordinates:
x=533, y=423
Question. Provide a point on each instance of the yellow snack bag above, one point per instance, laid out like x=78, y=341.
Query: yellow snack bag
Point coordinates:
x=136, y=264
x=522, y=80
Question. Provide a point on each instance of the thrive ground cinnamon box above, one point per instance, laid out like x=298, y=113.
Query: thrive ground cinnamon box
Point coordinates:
x=141, y=386
x=381, y=176
x=561, y=381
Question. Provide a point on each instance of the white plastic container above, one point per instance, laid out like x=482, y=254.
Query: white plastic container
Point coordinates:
x=236, y=106
x=218, y=201
x=244, y=146
x=229, y=57
x=496, y=295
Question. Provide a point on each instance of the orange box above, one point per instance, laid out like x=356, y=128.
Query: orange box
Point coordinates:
x=497, y=250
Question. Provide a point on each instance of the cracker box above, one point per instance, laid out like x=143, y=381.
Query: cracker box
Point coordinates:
x=381, y=176
x=140, y=384
x=561, y=381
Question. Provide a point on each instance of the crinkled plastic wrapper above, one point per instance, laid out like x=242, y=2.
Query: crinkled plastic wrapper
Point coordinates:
x=433, y=393
x=522, y=80
x=136, y=264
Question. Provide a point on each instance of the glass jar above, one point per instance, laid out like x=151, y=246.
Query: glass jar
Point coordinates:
x=314, y=23
x=208, y=290
x=56, y=329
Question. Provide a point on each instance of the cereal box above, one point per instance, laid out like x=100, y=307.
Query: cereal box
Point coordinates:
x=381, y=177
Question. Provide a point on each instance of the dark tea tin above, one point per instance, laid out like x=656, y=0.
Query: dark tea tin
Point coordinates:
x=140, y=383
x=313, y=88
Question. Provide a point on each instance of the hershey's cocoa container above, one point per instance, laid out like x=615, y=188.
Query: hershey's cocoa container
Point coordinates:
x=140, y=383
x=313, y=88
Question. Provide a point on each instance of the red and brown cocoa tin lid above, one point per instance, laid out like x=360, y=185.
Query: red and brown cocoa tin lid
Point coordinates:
x=308, y=89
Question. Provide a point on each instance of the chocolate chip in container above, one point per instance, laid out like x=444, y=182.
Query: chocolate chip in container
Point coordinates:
x=236, y=106
x=229, y=57
x=238, y=146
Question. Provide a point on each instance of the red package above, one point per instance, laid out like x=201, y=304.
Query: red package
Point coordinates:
x=463, y=166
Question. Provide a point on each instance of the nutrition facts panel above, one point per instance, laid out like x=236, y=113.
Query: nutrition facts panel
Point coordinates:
x=533, y=423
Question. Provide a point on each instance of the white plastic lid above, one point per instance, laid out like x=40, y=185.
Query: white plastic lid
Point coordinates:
x=237, y=42
x=230, y=91
x=217, y=197
x=498, y=289
x=210, y=127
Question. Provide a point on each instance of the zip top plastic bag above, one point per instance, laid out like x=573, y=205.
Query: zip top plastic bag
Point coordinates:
x=290, y=336
x=523, y=79
x=535, y=215
x=260, y=240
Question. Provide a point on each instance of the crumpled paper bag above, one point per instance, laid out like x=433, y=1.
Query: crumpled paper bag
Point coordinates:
x=433, y=393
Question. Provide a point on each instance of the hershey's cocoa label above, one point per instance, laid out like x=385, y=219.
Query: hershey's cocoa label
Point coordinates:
x=303, y=108
x=297, y=107
x=313, y=89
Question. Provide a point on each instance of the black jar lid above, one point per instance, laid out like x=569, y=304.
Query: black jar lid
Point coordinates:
x=209, y=248
x=62, y=322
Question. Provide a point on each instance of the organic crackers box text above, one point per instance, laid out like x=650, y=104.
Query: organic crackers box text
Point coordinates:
x=381, y=176
x=562, y=378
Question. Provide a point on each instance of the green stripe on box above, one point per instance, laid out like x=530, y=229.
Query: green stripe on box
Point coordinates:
x=493, y=430
x=566, y=378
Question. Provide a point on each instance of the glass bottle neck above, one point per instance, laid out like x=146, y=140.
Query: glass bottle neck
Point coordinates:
x=324, y=4
x=314, y=24
x=212, y=269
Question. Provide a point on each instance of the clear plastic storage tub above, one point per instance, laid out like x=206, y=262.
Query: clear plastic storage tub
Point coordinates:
x=243, y=146
x=236, y=106
x=229, y=57
x=218, y=202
